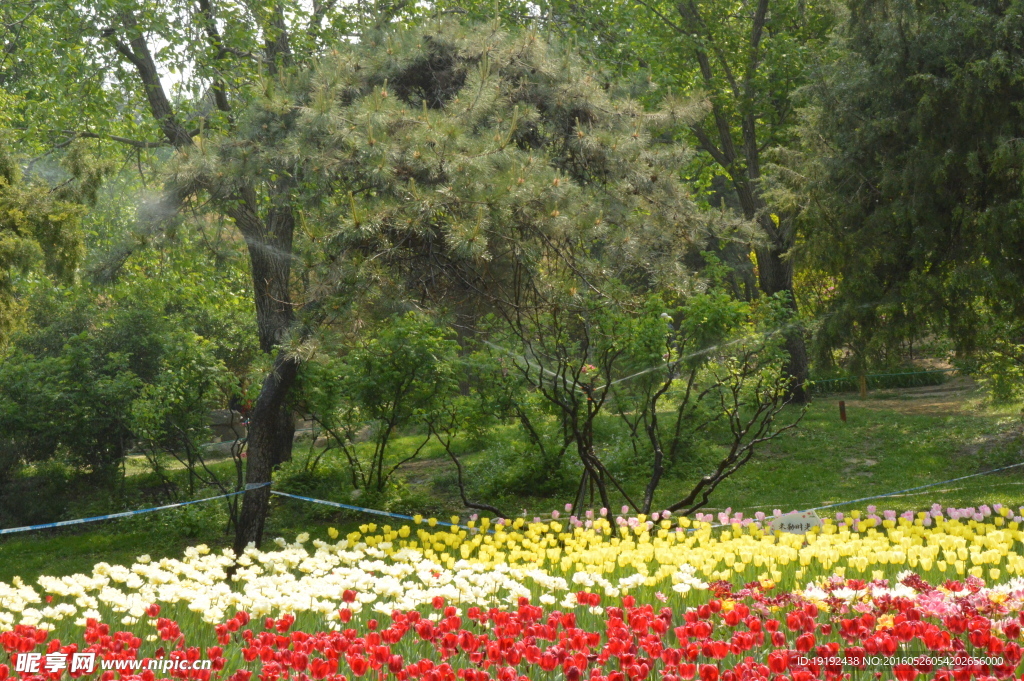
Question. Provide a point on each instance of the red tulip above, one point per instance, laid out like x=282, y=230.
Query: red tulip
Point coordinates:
x=979, y=637
x=778, y=661
x=358, y=665
x=904, y=672
x=708, y=672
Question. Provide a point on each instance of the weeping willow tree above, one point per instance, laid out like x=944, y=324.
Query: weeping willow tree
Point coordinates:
x=457, y=165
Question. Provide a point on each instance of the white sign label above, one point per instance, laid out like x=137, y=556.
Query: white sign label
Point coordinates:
x=797, y=522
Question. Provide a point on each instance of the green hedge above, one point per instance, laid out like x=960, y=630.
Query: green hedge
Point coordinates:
x=908, y=379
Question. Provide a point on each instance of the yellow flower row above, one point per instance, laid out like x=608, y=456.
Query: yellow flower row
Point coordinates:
x=989, y=548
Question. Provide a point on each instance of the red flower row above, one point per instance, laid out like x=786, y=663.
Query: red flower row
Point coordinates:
x=729, y=638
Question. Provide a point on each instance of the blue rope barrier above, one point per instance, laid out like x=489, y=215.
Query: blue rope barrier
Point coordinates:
x=913, y=489
x=400, y=516
x=112, y=516
x=371, y=511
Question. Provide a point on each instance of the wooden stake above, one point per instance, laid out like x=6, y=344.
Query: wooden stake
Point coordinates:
x=842, y=410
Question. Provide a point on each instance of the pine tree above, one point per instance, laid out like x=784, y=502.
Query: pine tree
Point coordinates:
x=446, y=164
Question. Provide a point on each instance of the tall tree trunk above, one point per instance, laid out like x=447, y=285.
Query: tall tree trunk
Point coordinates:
x=271, y=432
x=269, y=241
x=740, y=159
x=272, y=425
x=775, y=274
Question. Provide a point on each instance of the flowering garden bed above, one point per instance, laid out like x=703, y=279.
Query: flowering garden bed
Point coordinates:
x=937, y=594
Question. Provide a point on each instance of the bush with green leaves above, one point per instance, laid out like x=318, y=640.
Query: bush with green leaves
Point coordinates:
x=40, y=225
x=72, y=402
x=169, y=418
x=97, y=371
x=392, y=381
x=1001, y=371
x=666, y=374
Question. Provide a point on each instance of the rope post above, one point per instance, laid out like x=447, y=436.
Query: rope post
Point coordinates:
x=842, y=410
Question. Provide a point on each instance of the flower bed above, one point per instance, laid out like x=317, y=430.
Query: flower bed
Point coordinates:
x=933, y=593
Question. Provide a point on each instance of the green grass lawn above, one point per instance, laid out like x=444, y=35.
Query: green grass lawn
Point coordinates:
x=892, y=441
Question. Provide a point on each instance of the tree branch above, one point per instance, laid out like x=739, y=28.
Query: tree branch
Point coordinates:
x=137, y=52
x=749, y=124
x=709, y=146
x=446, y=443
x=220, y=96
x=139, y=144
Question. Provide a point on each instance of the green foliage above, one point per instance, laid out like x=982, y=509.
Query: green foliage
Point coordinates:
x=485, y=171
x=912, y=167
x=1002, y=371
x=394, y=379
x=95, y=372
x=40, y=227
x=34, y=496
x=170, y=414
x=399, y=374
x=743, y=63
x=66, y=75
x=910, y=378
x=627, y=387
x=520, y=463
x=205, y=293
x=398, y=377
x=459, y=140
x=74, y=403
x=329, y=479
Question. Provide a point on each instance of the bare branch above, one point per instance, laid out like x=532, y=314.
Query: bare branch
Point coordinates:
x=138, y=144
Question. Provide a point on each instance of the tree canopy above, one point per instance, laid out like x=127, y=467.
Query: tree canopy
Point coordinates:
x=913, y=175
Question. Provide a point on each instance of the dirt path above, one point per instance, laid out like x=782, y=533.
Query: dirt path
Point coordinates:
x=958, y=395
